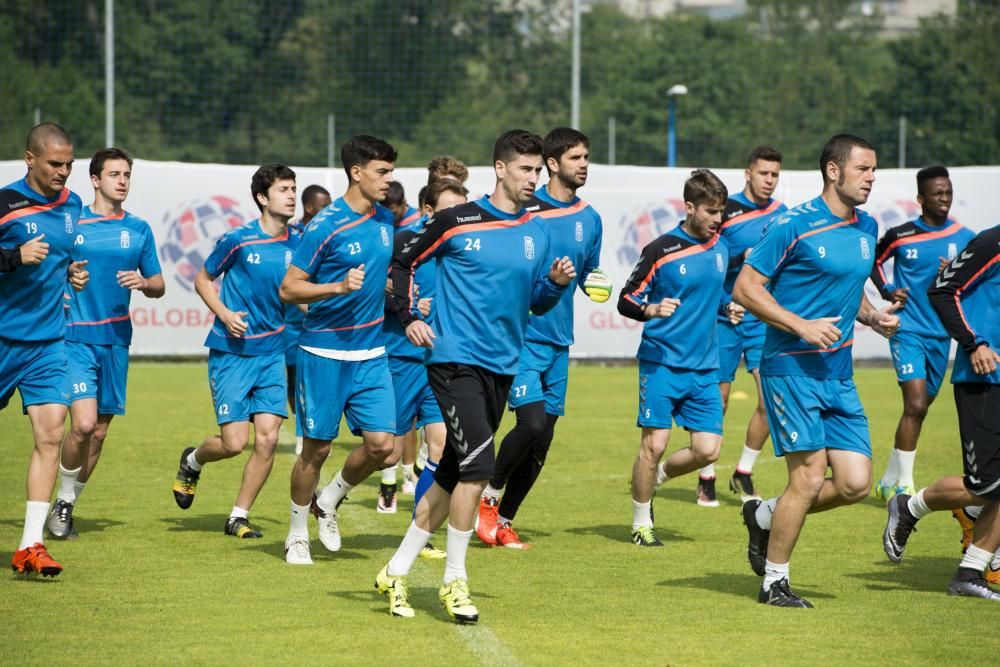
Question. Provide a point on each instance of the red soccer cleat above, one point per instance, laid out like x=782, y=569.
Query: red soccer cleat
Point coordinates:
x=486, y=528
x=508, y=537
x=35, y=559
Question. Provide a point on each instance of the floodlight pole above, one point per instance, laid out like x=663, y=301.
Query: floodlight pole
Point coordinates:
x=109, y=72
x=672, y=95
x=331, y=129
x=575, y=76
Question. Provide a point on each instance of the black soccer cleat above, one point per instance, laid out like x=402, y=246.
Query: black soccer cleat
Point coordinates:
x=240, y=527
x=742, y=483
x=898, y=527
x=780, y=595
x=757, y=537
x=186, y=482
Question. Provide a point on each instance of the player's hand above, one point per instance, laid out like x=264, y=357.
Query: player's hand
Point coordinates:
x=664, y=308
x=821, y=333
x=562, y=272
x=354, y=280
x=598, y=286
x=78, y=276
x=984, y=360
x=34, y=251
x=943, y=262
x=420, y=333
x=388, y=286
x=885, y=322
x=234, y=323
x=735, y=312
x=900, y=295
x=132, y=280
x=424, y=306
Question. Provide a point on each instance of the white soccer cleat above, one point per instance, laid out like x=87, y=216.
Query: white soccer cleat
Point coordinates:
x=297, y=551
x=329, y=531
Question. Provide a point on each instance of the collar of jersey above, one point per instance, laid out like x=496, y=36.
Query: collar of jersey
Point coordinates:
x=919, y=222
x=485, y=204
x=819, y=203
x=543, y=194
x=31, y=192
x=743, y=199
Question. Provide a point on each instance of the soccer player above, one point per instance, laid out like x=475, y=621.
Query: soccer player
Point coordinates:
x=340, y=271
x=402, y=213
x=538, y=394
x=314, y=199
x=965, y=296
x=493, y=267
x=747, y=213
x=676, y=289
x=804, y=278
x=32, y=349
x=121, y=253
x=920, y=349
x=246, y=354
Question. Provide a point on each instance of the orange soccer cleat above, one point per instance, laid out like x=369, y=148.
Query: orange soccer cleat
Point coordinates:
x=508, y=537
x=486, y=527
x=967, y=523
x=35, y=559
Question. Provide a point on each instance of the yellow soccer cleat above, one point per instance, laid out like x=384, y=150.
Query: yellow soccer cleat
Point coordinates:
x=395, y=589
x=456, y=600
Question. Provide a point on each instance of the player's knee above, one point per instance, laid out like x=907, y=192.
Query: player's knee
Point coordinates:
x=853, y=490
x=706, y=451
x=916, y=407
x=49, y=439
x=99, y=436
x=314, y=452
x=532, y=423
x=233, y=446
x=380, y=446
x=84, y=429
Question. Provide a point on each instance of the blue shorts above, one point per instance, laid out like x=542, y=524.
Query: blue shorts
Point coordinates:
x=243, y=385
x=328, y=389
x=99, y=371
x=807, y=414
x=735, y=342
x=542, y=374
x=290, y=339
x=690, y=398
x=920, y=358
x=413, y=395
x=37, y=370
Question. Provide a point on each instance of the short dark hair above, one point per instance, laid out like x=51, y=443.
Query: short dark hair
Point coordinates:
x=704, y=187
x=45, y=133
x=105, y=154
x=446, y=166
x=422, y=196
x=560, y=140
x=265, y=177
x=361, y=149
x=432, y=193
x=396, y=195
x=838, y=149
x=765, y=153
x=513, y=143
x=928, y=174
x=311, y=192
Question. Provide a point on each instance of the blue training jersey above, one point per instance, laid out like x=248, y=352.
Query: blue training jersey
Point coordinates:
x=337, y=240
x=743, y=224
x=817, y=265
x=100, y=313
x=492, y=270
x=965, y=296
x=294, y=315
x=574, y=231
x=916, y=249
x=254, y=264
x=31, y=297
x=396, y=342
x=678, y=266
x=412, y=216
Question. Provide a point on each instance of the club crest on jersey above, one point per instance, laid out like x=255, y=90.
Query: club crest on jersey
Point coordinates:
x=952, y=250
x=69, y=223
x=529, y=247
x=866, y=252
x=288, y=258
x=385, y=236
x=719, y=263
x=579, y=231
x=124, y=239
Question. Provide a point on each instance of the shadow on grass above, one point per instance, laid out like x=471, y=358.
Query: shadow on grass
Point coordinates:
x=619, y=532
x=205, y=523
x=929, y=574
x=31, y=579
x=740, y=585
x=95, y=525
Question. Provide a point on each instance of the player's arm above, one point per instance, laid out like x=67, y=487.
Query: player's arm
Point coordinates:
x=883, y=322
x=408, y=253
x=963, y=272
x=233, y=321
x=547, y=290
x=633, y=300
x=28, y=254
x=296, y=286
x=153, y=286
x=10, y=259
x=879, y=278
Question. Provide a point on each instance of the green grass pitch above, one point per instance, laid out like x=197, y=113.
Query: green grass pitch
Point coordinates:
x=149, y=583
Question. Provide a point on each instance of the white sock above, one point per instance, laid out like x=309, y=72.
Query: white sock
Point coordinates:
x=389, y=474
x=414, y=540
x=422, y=455
x=299, y=441
x=408, y=471
x=747, y=459
x=976, y=559
x=774, y=572
x=973, y=511
x=708, y=472
x=298, y=525
x=918, y=508
x=35, y=513
x=764, y=512
x=661, y=473
x=891, y=469
x=333, y=492
x=78, y=488
x=995, y=563
x=640, y=514
x=458, y=544
x=492, y=492
x=192, y=462
x=66, y=480
x=905, y=468
x=239, y=513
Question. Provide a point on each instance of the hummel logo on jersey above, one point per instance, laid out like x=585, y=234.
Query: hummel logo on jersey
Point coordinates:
x=532, y=209
x=948, y=272
x=676, y=246
x=18, y=204
x=529, y=247
x=817, y=223
x=903, y=235
x=468, y=218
